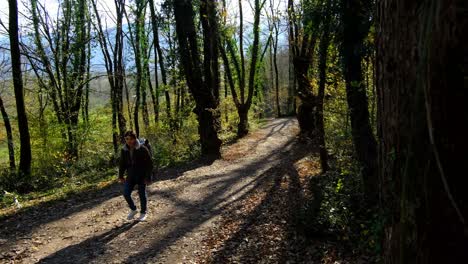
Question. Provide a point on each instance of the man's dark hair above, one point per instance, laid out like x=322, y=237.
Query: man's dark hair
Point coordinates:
x=130, y=133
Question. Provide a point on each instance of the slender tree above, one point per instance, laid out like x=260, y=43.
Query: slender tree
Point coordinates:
x=222, y=44
x=112, y=51
x=356, y=23
x=322, y=67
x=157, y=50
x=11, y=149
x=244, y=103
x=138, y=43
x=25, y=144
x=163, y=74
x=274, y=43
x=146, y=77
x=85, y=103
x=59, y=61
x=291, y=101
x=139, y=22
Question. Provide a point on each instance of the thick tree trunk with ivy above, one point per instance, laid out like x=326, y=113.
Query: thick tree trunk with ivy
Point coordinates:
x=204, y=85
x=146, y=77
x=356, y=22
x=303, y=42
x=422, y=70
x=243, y=127
x=243, y=102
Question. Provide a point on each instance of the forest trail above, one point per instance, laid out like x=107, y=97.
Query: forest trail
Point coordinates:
x=184, y=204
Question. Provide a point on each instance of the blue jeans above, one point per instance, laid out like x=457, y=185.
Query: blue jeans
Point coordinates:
x=128, y=188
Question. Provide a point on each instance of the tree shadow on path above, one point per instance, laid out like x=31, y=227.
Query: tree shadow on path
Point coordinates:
x=187, y=218
x=279, y=208
x=88, y=249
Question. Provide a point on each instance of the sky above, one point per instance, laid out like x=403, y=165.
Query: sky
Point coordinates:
x=52, y=7
x=103, y=5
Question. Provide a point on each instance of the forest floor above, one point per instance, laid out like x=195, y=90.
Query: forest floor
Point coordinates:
x=238, y=209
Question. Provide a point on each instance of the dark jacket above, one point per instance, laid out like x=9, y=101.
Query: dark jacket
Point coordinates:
x=139, y=167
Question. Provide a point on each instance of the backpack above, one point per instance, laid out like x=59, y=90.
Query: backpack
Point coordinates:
x=145, y=142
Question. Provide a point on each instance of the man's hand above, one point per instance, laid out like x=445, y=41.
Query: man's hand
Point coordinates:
x=122, y=180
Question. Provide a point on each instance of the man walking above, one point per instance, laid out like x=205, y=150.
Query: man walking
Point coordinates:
x=136, y=160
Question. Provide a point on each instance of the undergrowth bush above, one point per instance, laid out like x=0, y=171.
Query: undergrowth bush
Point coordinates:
x=53, y=171
x=338, y=208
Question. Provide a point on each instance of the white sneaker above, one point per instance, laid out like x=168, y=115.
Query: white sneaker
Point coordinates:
x=131, y=214
x=142, y=217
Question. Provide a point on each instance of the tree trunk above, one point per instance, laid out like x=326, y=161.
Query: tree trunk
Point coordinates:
x=41, y=98
x=119, y=68
x=278, y=106
x=139, y=32
x=115, y=70
x=168, y=104
x=115, y=135
x=129, y=108
x=275, y=63
x=272, y=76
x=255, y=50
x=202, y=89
x=226, y=114
x=356, y=23
x=161, y=66
x=305, y=111
x=173, y=83
x=146, y=77
x=144, y=105
x=243, y=102
x=85, y=107
x=323, y=53
x=25, y=144
x=303, y=45
x=154, y=100
x=64, y=62
x=422, y=89
x=226, y=118
x=157, y=48
x=243, y=126
x=11, y=149
x=291, y=84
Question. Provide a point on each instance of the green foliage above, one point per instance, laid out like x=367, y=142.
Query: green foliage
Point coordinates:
x=229, y=126
x=340, y=212
x=173, y=147
x=338, y=208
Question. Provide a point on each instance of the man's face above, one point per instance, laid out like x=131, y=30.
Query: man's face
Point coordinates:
x=130, y=141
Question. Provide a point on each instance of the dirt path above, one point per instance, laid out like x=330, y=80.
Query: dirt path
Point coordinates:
x=184, y=205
